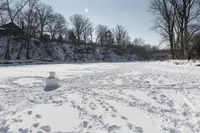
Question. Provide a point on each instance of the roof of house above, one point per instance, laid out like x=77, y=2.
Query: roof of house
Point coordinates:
x=2, y=28
x=11, y=25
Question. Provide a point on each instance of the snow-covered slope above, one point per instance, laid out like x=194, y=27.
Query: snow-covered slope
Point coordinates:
x=135, y=97
x=64, y=52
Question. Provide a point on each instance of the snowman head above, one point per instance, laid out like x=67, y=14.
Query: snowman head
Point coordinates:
x=52, y=74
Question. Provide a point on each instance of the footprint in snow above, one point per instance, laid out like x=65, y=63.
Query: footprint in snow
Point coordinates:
x=124, y=118
x=107, y=109
x=129, y=125
x=113, y=128
x=104, y=106
x=113, y=115
x=23, y=130
x=58, y=102
x=46, y=128
x=93, y=106
x=29, y=112
x=35, y=125
x=84, y=101
x=85, y=124
x=138, y=130
x=114, y=110
x=38, y=116
x=1, y=108
x=101, y=103
x=17, y=120
x=198, y=114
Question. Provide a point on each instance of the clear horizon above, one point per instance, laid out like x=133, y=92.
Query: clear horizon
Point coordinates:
x=132, y=14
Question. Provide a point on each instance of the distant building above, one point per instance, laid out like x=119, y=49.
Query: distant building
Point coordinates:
x=12, y=28
x=46, y=38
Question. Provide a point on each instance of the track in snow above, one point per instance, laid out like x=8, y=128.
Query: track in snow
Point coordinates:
x=103, y=97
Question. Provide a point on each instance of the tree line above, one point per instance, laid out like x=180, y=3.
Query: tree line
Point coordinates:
x=178, y=22
x=39, y=20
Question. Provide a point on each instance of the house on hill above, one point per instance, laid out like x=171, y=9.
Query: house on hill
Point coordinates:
x=13, y=28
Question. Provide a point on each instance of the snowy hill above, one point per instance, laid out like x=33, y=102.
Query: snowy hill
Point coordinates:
x=65, y=52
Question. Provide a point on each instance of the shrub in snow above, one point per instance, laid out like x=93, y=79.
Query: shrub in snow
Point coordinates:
x=52, y=82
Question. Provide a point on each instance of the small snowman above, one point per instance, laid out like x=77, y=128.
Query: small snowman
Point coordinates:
x=52, y=82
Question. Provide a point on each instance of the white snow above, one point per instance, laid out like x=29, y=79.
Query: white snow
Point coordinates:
x=61, y=118
x=184, y=62
x=140, y=97
x=26, y=81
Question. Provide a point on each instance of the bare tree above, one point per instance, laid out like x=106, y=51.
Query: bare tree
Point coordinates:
x=139, y=41
x=121, y=35
x=109, y=38
x=104, y=36
x=31, y=22
x=12, y=8
x=80, y=23
x=57, y=26
x=100, y=33
x=165, y=22
x=2, y=11
x=45, y=13
x=2, y=6
x=71, y=36
x=87, y=33
x=177, y=22
x=188, y=22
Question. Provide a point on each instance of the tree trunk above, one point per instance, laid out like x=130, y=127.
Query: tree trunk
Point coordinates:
x=28, y=49
x=7, y=54
x=28, y=39
x=19, y=53
x=172, y=47
x=182, y=42
x=78, y=38
x=41, y=32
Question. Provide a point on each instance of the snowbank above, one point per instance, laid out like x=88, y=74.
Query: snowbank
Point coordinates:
x=183, y=62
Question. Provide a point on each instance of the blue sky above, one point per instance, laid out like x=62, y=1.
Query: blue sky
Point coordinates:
x=133, y=14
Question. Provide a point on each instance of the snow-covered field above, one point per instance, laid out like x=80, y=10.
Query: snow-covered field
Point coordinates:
x=135, y=97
